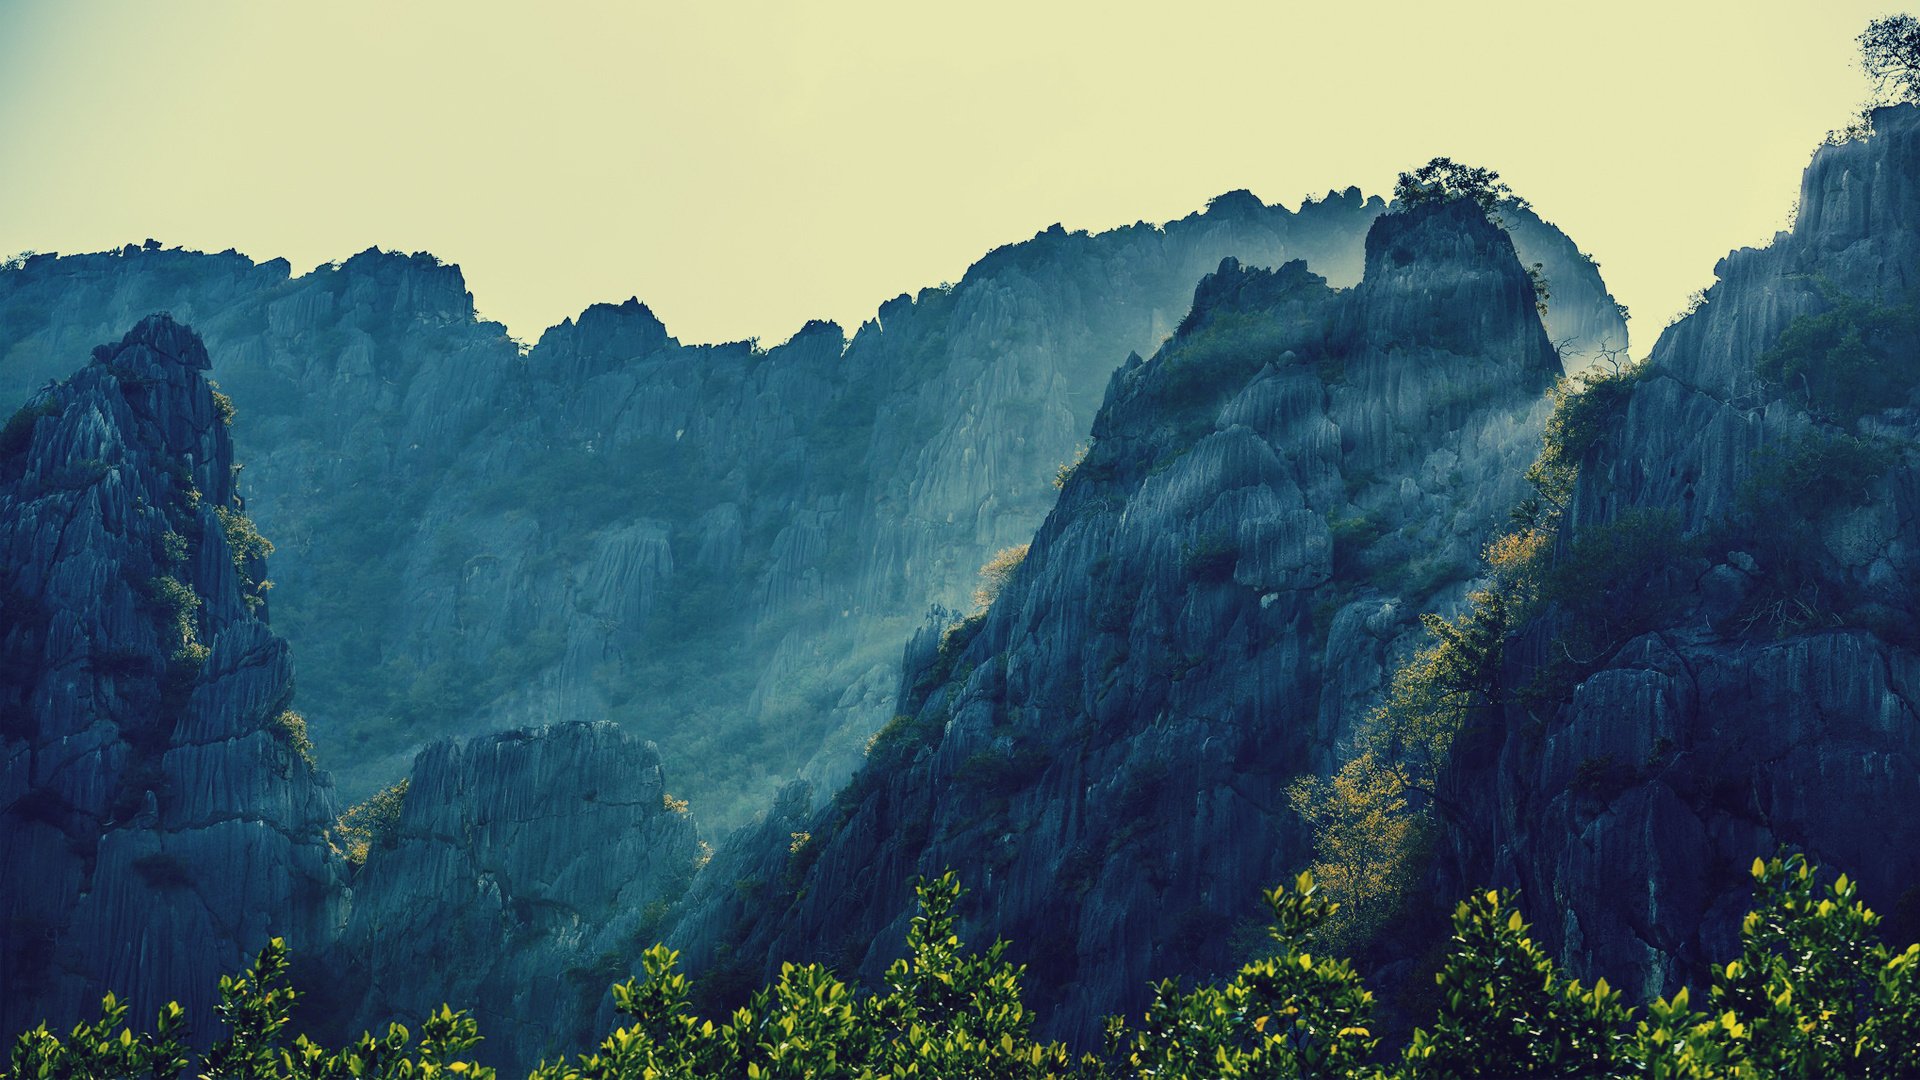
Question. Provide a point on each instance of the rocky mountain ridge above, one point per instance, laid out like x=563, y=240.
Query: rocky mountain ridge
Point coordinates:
x=1756, y=688
x=706, y=544
x=1268, y=503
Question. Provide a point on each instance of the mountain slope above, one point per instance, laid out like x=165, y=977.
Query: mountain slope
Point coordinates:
x=1743, y=673
x=719, y=547
x=155, y=792
x=1268, y=503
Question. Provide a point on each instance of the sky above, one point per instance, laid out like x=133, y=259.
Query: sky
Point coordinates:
x=743, y=166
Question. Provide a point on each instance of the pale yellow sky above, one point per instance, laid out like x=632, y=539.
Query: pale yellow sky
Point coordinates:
x=744, y=165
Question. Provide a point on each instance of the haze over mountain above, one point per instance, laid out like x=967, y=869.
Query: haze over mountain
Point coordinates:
x=1342, y=546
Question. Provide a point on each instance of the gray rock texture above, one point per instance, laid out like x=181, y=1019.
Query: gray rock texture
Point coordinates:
x=719, y=547
x=1771, y=701
x=157, y=825
x=1268, y=503
x=527, y=869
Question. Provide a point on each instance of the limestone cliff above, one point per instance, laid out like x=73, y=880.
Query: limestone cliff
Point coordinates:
x=1268, y=503
x=1755, y=684
x=159, y=820
x=719, y=547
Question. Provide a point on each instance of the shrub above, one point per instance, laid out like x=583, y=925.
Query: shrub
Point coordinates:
x=177, y=601
x=249, y=548
x=17, y=434
x=995, y=574
x=677, y=806
x=1855, y=358
x=1613, y=582
x=291, y=728
x=1814, y=991
x=1067, y=468
x=367, y=825
x=1443, y=180
x=222, y=404
x=1585, y=406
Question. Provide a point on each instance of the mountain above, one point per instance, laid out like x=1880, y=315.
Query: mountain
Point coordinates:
x=162, y=817
x=722, y=547
x=1739, y=671
x=1268, y=504
x=718, y=547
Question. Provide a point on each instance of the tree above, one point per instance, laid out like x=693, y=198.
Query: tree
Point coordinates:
x=1890, y=55
x=1444, y=180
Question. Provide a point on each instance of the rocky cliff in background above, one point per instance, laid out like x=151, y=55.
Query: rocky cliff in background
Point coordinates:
x=526, y=869
x=719, y=547
x=1744, y=676
x=158, y=820
x=1267, y=505
x=160, y=814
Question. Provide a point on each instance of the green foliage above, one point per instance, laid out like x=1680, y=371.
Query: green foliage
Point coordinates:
x=1290, y=1014
x=1067, y=468
x=17, y=434
x=173, y=548
x=1585, y=406
x=1217, y=354
x=1542, y=290
x=370, y=824
x=108, y=1047
x=222, y=404
x=177, y=603
x=1890, y=55
x=1442, y=180
x=249, y=549
x=1614, y=582
x=1855, y=358
x=996, y=573
x=291, y=728
x=1212, y=557
x=1814, y=992
x=243, y=538
x=943, y=1012
x=1780, y=513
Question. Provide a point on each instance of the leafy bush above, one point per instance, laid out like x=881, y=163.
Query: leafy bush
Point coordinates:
x=1614, y=581
x=1067, y=468
x=1793, y=493
x=17, y=434
x=222, y=404
x=1584, y=407
x=291, y=728
x=1212, y=557
x=176, y=601
x=1855, y=358
x=367, y=825
x=1443, y=180
x=996, y=573
x=1814, y=991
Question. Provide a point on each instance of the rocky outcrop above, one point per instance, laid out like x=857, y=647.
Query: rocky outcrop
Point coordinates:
x=1103, y=756
x=1767, y=698
x=158, y=819
x=719, y=547
x=526, y=870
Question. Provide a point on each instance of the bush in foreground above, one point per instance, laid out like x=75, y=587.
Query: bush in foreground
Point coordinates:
x=1814, y=992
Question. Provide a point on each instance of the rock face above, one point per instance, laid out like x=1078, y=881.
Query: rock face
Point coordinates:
x=527, y=868
x=160, y=817
x=719, y=547
x=1770, y=698
x=1267, y=504
x=158, y=822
